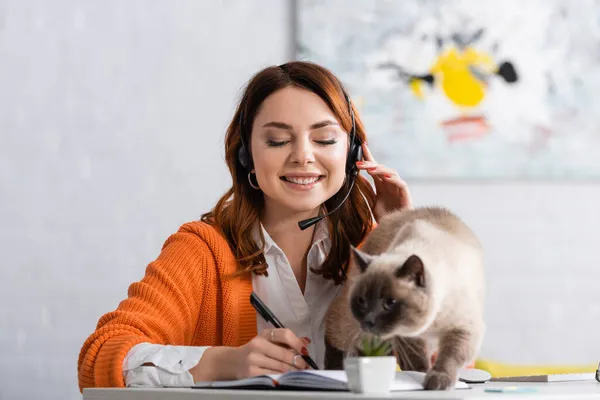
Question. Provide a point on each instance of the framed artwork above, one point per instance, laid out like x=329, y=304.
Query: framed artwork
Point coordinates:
x=467, y=89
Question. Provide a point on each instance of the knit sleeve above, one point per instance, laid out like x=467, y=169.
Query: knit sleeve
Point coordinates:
x=162, y=308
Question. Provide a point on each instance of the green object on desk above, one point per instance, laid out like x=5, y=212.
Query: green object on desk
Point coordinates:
x=374, y=346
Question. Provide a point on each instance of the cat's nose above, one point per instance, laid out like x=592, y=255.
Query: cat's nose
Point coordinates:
x=369, y=322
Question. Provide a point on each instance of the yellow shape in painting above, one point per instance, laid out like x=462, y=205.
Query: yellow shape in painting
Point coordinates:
x=415, y=87
x=459, y=83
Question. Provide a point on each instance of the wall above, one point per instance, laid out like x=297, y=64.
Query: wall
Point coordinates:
x=112, y=117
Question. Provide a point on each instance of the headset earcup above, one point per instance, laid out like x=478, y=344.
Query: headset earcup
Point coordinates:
x=354, y=155
x=243, y=156
x=359, y=153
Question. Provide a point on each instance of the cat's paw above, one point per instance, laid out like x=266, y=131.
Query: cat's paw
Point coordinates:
x=435, y=380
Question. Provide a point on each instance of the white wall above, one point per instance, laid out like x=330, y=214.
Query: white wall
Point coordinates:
x=112, y=117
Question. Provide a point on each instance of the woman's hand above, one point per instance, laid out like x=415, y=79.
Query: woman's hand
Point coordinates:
x=391, y=192
x=273, y=351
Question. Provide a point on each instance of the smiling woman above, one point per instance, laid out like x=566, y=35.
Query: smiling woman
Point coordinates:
x=293, y=150
x=283, y=115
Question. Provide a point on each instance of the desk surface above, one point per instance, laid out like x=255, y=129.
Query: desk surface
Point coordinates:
x=554, y=390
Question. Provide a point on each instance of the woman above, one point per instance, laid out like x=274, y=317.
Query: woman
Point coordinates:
x=293, y=150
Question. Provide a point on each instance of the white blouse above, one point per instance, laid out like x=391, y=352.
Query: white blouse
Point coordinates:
x=303, y=314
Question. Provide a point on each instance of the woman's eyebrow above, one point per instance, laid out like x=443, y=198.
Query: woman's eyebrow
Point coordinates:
x=323, y=124
x=280, y=125
x=288, y=127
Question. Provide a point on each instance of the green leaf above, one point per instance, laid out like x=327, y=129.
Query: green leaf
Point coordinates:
x=373, y=346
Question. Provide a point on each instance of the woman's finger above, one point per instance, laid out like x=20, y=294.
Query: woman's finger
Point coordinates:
x=375, y=169
x=288, y=338
x=284, y=355
x=400, y=184
x=283, y=345
x=385, y=173
x=263, y=360
x=367, y=155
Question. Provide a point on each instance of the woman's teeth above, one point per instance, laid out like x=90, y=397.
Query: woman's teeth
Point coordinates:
x=302, y=181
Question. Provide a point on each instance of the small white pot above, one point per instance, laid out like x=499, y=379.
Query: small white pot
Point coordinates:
x=373, y=375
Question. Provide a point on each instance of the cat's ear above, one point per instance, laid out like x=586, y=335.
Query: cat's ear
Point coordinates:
x=362, y=259
x=413, y=269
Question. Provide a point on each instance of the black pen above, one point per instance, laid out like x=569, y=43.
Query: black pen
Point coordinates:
x=264, y=311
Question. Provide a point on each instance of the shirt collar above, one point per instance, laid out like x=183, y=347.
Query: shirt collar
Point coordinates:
x=321, y=235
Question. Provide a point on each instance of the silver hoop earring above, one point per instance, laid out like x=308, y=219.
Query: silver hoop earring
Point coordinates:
x=250, y=180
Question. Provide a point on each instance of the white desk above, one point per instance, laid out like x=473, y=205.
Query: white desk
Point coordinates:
x=555, y=391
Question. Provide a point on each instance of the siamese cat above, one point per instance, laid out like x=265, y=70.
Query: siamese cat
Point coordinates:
x=418, y=280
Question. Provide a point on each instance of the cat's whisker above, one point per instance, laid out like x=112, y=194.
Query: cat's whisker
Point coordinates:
x=411, y=346
x=403, y=358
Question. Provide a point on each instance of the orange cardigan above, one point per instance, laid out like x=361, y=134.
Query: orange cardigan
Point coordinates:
x=184, y=299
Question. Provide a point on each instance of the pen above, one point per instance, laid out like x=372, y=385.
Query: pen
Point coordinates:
x=264, y=311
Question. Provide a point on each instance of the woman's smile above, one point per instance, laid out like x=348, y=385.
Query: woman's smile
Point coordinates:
x=301, y=181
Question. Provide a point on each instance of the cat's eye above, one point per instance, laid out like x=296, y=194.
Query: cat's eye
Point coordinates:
x=361, y=302
x=389, y=303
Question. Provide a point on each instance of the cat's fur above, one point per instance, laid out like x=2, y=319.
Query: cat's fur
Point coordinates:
x=417, y=280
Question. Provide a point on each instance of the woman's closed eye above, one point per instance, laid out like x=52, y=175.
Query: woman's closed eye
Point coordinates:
x=277, y=143
x=274, y=143
x=327, y=142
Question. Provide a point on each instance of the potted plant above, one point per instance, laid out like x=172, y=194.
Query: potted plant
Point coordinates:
x=373, y=369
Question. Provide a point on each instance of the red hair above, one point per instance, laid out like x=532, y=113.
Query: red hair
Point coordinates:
x=238, y=210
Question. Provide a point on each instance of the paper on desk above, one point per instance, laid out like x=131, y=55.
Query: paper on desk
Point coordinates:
x=414, y=380
x=404, y=380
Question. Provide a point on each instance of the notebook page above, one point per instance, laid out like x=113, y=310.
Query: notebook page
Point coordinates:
x=337, y=379
x=329, y=379
x=322, y=379
x=338, y=375
x=256, y=381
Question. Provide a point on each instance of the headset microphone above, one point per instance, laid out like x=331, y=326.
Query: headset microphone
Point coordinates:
x=306, y=223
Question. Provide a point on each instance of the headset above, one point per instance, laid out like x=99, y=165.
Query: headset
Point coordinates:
x=355, y=154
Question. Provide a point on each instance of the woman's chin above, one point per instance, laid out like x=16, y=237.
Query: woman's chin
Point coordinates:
x=303, y=205
x=306, y=210
x=308, y=204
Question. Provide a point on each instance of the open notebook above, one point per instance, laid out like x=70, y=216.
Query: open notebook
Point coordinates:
x=316, y=380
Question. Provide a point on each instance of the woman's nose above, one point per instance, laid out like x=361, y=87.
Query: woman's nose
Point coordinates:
x=302, y=153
